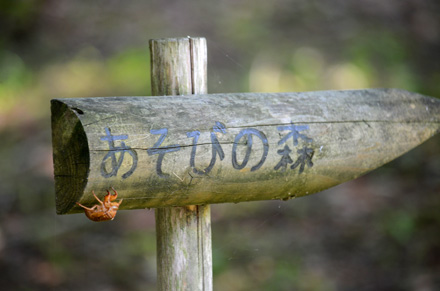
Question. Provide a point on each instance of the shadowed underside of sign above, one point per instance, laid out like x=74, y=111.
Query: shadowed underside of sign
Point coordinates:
x=187, y=150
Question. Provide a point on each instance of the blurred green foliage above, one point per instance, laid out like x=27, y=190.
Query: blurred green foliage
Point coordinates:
x=87, y=74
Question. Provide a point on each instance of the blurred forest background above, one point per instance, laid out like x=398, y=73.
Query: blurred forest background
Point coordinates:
x=379, y=232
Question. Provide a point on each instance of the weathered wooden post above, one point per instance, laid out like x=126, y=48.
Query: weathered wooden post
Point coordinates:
x=184, y=255
x=176, y=153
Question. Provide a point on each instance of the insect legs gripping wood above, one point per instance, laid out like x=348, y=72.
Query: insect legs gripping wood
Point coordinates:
x=104, y=210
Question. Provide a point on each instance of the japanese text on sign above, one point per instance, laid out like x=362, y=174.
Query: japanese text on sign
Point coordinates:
x=247, y=136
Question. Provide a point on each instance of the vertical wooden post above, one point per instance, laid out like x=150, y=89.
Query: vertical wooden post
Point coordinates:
x=184, y=254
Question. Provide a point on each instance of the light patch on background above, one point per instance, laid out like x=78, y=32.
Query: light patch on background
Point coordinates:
x=346, y=76
x=264, y=75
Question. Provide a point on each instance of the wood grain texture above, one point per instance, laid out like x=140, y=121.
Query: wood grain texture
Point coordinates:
x=184, y=248
x=184, y=253
x=349, y=133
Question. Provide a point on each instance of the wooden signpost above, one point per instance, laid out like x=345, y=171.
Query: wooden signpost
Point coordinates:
x=181, y=153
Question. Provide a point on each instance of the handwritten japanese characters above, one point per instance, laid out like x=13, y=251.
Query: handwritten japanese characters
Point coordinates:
x=293, y=155
x=247, y=134
x=216, y=148
x=113, y=150
x=305, y=154
x=161, y=151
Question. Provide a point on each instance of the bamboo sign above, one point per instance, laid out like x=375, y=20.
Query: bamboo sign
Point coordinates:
x=181, y=150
